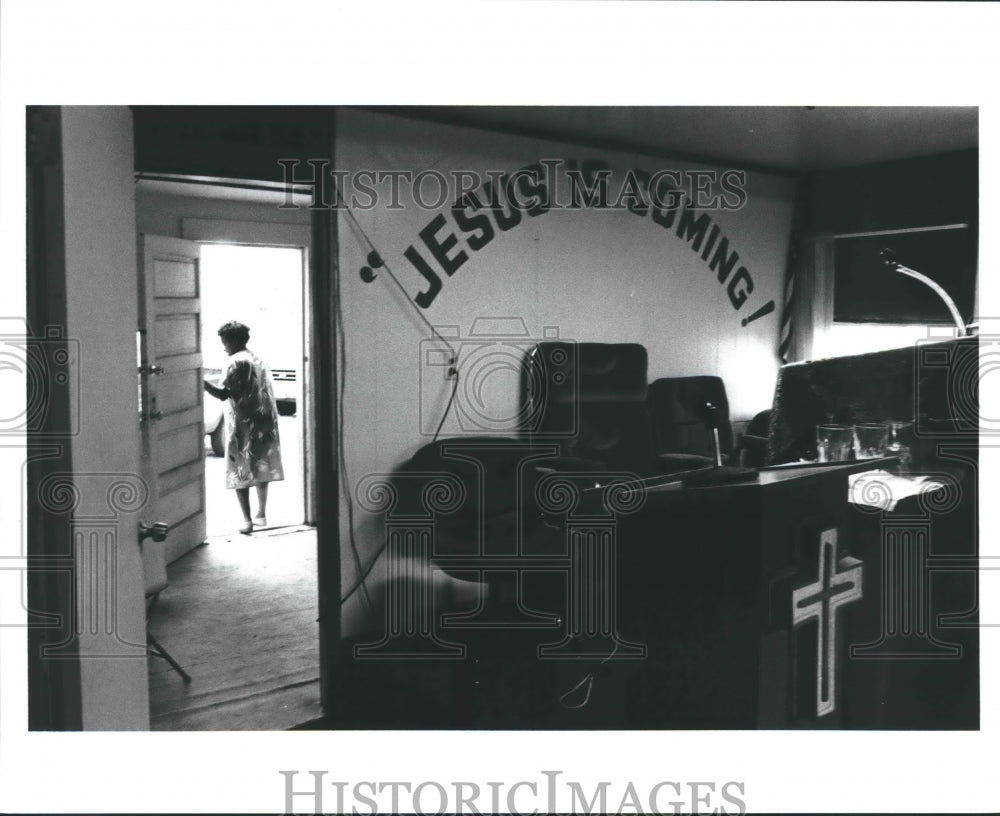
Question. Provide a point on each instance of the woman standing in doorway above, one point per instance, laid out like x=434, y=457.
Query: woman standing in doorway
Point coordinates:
x=253, y=450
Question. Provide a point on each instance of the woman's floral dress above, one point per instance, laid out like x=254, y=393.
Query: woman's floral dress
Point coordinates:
x=253, y=450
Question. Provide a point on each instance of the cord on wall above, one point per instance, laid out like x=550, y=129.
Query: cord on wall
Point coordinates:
x=375, y=261
x=588, y=683
x=344, y=478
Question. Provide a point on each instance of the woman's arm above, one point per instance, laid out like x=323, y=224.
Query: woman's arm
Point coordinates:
x=215, y=391
x=236, y=383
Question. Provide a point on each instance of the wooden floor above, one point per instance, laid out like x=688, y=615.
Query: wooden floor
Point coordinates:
x=239, y=616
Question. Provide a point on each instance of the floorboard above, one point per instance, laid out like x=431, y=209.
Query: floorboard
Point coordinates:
x=239, y=615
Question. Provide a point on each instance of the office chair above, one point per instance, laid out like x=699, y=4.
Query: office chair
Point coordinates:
x=683, y=423
x=496, y=517
x=753, y=443
x=592, y=400
x=154, y=571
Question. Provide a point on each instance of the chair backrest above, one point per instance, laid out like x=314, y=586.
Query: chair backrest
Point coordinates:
x=677, y=410
x=591, y=398
x=474, y=492
x=935, y=384
x=486, y=471
x=753, y=442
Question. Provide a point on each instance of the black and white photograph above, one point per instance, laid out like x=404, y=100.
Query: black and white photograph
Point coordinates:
x=376, y=446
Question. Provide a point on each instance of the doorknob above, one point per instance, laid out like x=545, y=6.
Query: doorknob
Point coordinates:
x=157, y=532
x=151, y=370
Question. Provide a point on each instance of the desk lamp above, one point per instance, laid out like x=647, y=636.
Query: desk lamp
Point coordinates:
x=889, y=259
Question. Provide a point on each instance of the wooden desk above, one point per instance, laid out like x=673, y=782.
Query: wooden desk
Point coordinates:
x=913, y=660
x=732, y=606
x=745, y=595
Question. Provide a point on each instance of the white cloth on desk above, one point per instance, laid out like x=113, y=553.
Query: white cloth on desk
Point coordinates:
x=882, y=490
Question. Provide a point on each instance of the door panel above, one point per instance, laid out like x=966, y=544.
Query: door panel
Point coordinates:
x=174, y=335
x=175, y=278
x=172, y=420
x=175, y=448
x=178, y=503
x=179, y=476
x=179, y=391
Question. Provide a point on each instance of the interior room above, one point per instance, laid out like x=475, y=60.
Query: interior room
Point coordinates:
x=569, y=385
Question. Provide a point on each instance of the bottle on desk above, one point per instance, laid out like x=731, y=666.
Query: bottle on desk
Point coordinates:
x=896, y=445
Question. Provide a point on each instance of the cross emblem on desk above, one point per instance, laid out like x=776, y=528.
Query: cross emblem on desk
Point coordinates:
x=838, y=583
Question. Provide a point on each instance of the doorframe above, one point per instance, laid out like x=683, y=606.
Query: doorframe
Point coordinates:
x=292, y=236
x=55, y=701
x=320, y=409
x=324, y=273
x=202, y=142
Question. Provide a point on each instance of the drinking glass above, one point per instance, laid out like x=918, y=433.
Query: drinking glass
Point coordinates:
x=833, y=443
x=870, y=440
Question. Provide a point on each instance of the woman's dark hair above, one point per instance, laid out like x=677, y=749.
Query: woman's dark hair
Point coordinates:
x=235, y=332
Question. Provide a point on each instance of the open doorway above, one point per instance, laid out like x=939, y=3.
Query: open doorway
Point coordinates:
x=261, y=287
x=248, y=672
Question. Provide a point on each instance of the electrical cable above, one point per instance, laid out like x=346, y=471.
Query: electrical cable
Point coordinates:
x=451, y=399
x=588, y=679
x=375, y=260
x=382, y=263
x=344, y=479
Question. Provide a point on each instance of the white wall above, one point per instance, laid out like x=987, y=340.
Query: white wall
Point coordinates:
x=592, y=275
x=161, y=214
x=102, y=316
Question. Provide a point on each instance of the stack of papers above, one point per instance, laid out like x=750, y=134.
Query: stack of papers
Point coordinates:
x=882, y=490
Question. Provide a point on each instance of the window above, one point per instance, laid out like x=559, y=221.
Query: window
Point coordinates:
x=861, y=306
x=865, y=291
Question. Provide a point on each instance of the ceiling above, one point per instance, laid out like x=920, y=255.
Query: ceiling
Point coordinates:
x=783, y=138
x=779, y=139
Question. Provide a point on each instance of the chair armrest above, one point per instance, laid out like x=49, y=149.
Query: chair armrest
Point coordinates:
x=567, y=464
x=679, y=462
x=752, y=450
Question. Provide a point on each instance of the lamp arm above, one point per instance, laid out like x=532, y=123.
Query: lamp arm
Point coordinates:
x=941, y=293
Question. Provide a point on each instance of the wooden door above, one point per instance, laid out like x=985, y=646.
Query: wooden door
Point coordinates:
x=170, y=387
